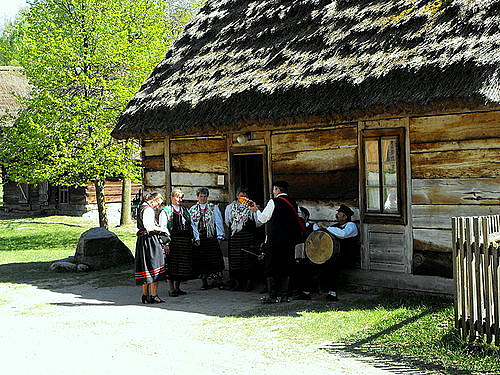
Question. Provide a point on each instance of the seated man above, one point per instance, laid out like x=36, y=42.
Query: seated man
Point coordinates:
x=345, y=231
x=301, y=283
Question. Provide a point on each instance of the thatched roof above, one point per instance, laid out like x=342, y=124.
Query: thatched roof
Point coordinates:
x=243, y=62
x=12, y=82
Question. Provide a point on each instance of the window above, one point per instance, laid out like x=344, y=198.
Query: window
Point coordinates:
x=23, y=192
x=63, y=194
x=383, y=176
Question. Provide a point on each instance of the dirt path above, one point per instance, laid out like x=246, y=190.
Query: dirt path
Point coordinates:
x=84, y=330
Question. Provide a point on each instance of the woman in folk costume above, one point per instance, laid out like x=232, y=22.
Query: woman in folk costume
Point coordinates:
x=149, y=257
x=243, y=225
x=177, y=220
x=208, y=258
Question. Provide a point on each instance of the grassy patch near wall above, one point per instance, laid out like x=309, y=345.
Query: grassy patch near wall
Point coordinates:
x=29, y=245
x=390, y=328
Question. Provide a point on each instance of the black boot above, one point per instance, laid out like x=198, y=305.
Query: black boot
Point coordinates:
x=271, y=290
x=285, y=281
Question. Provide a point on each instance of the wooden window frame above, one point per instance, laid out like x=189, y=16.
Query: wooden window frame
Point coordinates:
x=383, y=217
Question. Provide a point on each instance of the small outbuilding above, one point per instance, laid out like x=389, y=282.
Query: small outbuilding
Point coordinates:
x=44, y=198
x=391, y=107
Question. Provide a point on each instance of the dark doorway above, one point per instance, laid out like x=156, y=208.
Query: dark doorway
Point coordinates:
x=248, y=170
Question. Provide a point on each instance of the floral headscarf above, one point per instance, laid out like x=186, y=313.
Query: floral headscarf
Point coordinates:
x=209, y=218
x=240, y=213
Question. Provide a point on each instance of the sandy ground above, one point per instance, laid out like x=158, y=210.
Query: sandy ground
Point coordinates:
x=87, y=330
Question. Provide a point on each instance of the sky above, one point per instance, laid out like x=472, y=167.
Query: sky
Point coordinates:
x=9, y=8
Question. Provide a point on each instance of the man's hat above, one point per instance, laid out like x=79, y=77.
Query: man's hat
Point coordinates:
x=346, y=210
x=282, y=185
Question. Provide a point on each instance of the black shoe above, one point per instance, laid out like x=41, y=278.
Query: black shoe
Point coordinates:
x=180, y=292
x=284, y=299
x=268, y=300
x=155, y=299
x=331, y=298
x=173, y=293
x=145, y=299
x=204, y=287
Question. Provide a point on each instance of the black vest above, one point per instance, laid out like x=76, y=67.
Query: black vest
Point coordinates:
x=283, y=227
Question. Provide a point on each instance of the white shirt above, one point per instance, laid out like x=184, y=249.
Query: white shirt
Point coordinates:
x=348, y=230
x=148, y=219
x=266, y=214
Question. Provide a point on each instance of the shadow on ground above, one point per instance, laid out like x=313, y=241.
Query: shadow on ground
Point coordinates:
x=116, y=287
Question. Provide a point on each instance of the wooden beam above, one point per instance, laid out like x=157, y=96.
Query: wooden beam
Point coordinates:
x=315, y=161
x=456, y=164
x=432, y=240
x=152, y=148
x=314, y=140
x=214, y=162
x=437, y=216
x=455, y=127
x=473, y=191
x=203, y=145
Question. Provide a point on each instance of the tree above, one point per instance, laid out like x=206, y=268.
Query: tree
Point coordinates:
x=85, y=60
x=10, y=41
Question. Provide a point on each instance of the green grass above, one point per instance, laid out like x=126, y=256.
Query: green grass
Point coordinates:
x=417, y=330
x=404, y=328
x=29, y=245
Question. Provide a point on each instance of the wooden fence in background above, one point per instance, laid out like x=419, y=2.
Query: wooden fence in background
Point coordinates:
x=476, y=242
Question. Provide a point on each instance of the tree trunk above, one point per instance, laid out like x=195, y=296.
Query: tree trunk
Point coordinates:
x=101, y=203
x=126, y=201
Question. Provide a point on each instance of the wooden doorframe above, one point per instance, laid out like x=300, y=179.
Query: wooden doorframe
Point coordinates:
x=248, y=150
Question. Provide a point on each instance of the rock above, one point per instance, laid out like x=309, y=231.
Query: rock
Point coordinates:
x=82, y=268
x=70, y=259
x=63, y=267
x=98, y=248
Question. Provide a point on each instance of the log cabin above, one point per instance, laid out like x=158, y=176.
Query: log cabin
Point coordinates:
x=391, y=107
x=45, y=198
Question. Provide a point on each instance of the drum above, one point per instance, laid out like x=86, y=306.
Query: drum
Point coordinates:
x=320, y=245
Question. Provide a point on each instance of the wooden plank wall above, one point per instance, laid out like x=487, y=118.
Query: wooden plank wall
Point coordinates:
x=112, y=192
x=455, y=168
x=200, y=162
x=321, y=166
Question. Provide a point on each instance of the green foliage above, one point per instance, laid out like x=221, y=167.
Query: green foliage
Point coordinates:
x=85, y=60
x=10, y=41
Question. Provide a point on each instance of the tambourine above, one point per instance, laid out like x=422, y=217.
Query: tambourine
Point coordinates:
x=319, y=246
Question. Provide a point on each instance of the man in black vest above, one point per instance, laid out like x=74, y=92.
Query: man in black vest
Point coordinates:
x=283, y=232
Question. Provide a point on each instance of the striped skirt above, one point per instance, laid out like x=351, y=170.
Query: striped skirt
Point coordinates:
x=242, y=265
x=180, y=257
x=149, y=260
x=208, y=257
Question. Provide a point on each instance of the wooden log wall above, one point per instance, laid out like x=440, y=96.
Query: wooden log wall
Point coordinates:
x=321, y=166
x=200, y=162
x=455, y=168
x=13, y=199
x=112, y=192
